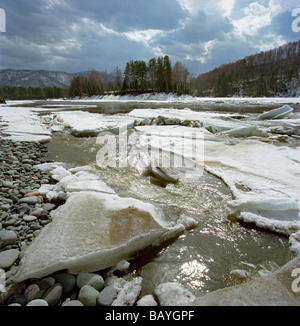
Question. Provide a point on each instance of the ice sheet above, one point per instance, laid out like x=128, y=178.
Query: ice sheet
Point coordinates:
x=263, y=177
x=89, y=124
x=21, y=124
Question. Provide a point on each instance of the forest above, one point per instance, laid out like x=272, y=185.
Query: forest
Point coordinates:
x=158, y=75
x=271, y=73
x=30, y=93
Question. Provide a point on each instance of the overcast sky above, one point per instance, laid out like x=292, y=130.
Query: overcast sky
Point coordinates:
x=77, y=35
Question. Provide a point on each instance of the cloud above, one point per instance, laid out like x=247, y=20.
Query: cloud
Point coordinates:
x=211, y=8
x=75, y=35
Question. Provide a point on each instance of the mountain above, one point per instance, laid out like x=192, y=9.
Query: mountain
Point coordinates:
x=35, y=78
x=271, y=73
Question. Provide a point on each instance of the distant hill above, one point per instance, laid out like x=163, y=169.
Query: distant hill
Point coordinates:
x=272, y=73
x=35, y=78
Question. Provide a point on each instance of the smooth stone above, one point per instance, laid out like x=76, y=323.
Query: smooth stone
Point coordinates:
x=32, y=194
x=8, y=257
x=10, y=290
x=29, y=218
x=88, y=295
x=29, y=200
x=53, y=294
x=31, y=292
x=15, y=305
x=107, y=296
x=5, y=207
x=73, y=303
x=37, y=303
x=94, y=280
x=7, y=184
x=10, y=222
x=48, y=206
x=46, y=283
x=37, y=212
x=17, y=298
x=7, y=238
x=67, y=280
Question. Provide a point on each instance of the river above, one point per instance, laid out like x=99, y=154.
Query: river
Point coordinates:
x=203, y=258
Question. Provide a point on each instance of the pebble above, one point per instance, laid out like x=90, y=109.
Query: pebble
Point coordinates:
x=72, y=303
x=67, y=280
x=53, y=294
x=17, y=298
x=29, y=218
x=46, y=283
x=94, y=280
x=7, y=238
x=30, y=200
x=31, y=292
x=8, y=257
x=88, y=296
x=48, y=206
x=7, y=184
x=36, y=212
x=38, y=303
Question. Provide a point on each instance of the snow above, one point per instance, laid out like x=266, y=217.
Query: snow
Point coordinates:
x=21, y=124
x=89, y=124
x=173, y=294
x=129, y=293
x=72, y=180
x=173, y=98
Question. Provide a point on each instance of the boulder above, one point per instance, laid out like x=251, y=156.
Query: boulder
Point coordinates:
x=94, y=231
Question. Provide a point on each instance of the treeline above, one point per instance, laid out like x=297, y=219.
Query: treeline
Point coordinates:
x=264, y=74
x=96, y=83
x=158, y=75
x=32, y=93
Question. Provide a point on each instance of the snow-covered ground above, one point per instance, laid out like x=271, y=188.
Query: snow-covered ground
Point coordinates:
x=170, y=98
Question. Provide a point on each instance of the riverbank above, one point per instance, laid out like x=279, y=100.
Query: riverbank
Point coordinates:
x=24, y=212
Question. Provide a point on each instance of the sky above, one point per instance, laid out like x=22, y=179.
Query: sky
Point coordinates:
x=76, y=35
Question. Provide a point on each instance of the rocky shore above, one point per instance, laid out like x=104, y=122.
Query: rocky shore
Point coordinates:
x=24, y=212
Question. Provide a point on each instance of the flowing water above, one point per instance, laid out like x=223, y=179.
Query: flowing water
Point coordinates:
x=203, y=257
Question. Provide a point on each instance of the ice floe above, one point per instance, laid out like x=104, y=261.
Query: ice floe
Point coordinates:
x=93, y=231
x=280, y=113
x=85, y=124
x=21, y=124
